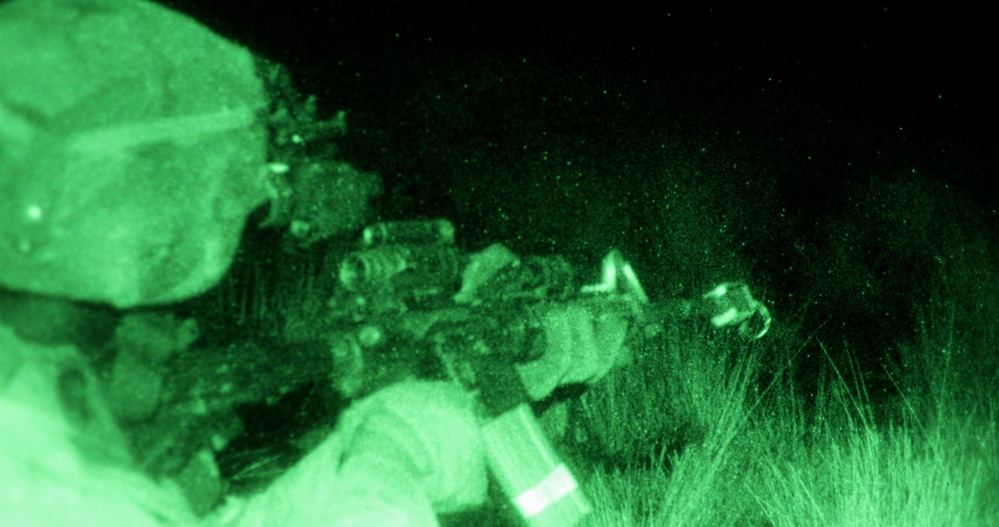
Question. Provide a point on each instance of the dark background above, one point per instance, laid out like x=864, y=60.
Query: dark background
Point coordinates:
x=836, y=157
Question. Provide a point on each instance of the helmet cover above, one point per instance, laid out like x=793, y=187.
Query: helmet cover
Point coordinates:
x=131, y=152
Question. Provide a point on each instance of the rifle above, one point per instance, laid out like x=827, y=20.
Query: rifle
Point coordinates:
x=412, y=304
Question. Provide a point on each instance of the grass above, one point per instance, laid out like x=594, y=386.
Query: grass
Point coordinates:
x=794, y=455
x=842, y=467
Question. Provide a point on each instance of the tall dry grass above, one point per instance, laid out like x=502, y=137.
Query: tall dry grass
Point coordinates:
x=772, y=451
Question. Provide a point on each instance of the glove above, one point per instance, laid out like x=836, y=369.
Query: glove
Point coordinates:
x=580, y=348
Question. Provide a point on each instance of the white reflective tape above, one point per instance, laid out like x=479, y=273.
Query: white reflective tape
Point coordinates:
x=558, y=484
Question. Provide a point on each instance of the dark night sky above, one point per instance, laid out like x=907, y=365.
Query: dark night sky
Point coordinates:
x=828, y=80
x=904, y=62
x=796, y=146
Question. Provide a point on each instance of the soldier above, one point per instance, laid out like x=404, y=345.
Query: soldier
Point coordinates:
x=131, y=155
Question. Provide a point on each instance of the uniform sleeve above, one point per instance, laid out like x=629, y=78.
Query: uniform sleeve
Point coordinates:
x=397, y=458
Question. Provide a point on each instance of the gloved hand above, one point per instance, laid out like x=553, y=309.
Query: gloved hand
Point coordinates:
x=581, y=347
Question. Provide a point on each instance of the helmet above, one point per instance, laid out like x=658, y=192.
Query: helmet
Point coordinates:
x=131, y=151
